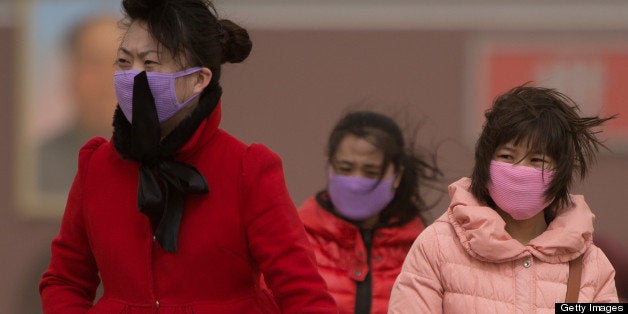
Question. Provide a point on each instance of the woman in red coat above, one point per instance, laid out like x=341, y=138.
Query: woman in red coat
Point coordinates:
x=173, y=214
x=364, y=223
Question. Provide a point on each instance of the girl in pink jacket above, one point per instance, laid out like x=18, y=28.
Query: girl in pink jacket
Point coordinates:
x=505, y=242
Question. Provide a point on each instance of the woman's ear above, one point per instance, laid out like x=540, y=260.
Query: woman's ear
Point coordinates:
x=397, y=181
x=204, y=76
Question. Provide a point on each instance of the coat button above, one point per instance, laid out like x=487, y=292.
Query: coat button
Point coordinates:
x=357, y=272
x=154, y=238
x=527, y=263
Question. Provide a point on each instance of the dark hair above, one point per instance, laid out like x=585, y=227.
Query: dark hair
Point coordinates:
x=191, y=31
x=384, y=133
x=549, y=123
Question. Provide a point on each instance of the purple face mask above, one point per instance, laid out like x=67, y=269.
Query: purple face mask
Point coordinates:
x=161, y=86
x=358, y=198
x=519, y=190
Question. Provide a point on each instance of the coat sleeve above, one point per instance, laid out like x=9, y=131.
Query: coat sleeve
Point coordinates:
x=69, y=284
x=606, y=291
x=277, y=239
x=418, y=288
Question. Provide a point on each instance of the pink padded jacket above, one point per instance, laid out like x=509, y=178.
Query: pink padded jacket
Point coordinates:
x=466, y=262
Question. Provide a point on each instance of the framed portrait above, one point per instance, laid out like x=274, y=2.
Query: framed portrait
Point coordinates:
x=590, y=69
x=65, y=94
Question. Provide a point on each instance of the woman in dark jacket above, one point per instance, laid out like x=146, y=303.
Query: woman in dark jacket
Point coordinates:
x=173, y=214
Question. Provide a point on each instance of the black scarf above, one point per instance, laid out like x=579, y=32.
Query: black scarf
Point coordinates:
x=163, y=181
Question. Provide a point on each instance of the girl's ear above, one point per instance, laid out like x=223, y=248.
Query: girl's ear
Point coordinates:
x=204, y=76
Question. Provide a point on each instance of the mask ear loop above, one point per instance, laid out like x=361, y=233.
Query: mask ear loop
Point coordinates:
x=187, y=101
x=183, y=73
x=550, y=175
x=187, y=72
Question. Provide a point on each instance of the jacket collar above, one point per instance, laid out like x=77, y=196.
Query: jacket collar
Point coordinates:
x=319, y=218
x=483, y=235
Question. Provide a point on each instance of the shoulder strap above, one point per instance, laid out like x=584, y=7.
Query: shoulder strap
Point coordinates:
x=573, y=282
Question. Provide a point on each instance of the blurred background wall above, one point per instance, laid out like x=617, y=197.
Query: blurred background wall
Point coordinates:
x=427, y=62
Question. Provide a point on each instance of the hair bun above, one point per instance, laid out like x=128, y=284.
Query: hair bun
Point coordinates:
x=140, y=8
x=236, y=42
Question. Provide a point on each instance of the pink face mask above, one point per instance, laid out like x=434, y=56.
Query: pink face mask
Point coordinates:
x=519, y=190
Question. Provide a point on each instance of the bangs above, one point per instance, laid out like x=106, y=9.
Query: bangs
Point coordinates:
x=540, y=129
x=536, y=141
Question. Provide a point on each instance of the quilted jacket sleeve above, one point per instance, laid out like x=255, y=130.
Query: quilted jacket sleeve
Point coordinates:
x=69, y=284
x=418, y=288
x=606, y=291
x=277, y=239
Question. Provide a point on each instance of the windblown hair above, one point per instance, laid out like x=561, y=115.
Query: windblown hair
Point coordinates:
x=191, y=31
x=548, y=122
x=384, y=133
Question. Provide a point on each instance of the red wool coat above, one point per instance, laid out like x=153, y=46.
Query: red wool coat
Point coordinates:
x=245, y=226
x=341, y=255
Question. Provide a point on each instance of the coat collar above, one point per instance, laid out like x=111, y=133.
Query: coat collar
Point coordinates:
x=182, y=141
x=204, y=133
x=483, y=235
